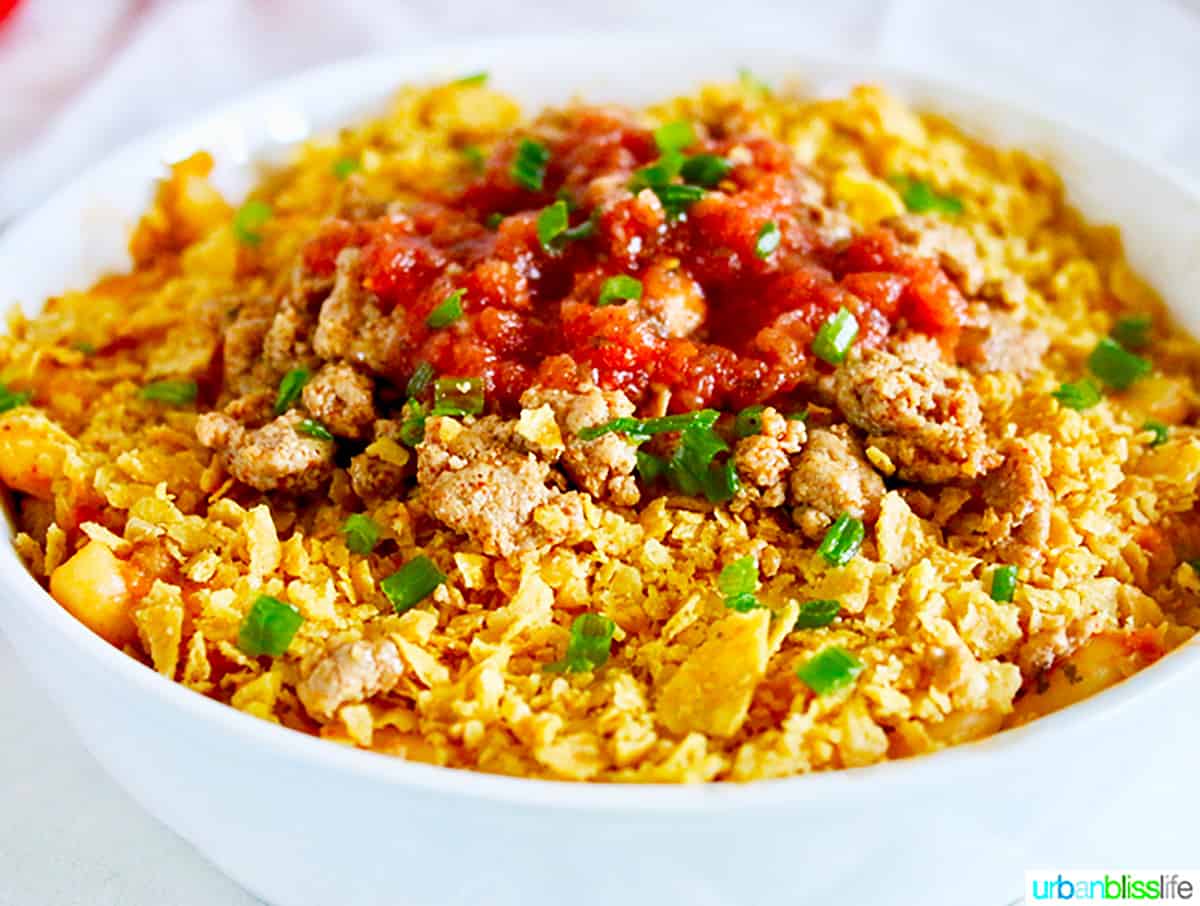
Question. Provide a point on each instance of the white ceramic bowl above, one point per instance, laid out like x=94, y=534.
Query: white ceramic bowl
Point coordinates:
x=299, y=821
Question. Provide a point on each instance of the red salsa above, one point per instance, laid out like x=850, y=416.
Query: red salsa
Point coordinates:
x=723, y=320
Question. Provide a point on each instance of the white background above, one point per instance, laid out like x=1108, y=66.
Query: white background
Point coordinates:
x=79, y=77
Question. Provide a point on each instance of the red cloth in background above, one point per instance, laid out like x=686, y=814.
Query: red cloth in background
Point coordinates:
x=6, y=8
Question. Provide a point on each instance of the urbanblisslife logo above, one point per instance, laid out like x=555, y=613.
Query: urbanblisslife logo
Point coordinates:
x=1062, y=886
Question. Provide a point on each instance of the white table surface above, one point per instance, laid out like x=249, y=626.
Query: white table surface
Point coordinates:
x=68, y=835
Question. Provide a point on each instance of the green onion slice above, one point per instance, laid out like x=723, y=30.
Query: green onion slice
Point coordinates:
x=551, y=223
x=289, y=389
x=449, y=311
x=619, y=289
x=249, y=217
x=815, y=614
x=421, y=378
x=529, y=165
x=313, y=428
x=362, y=533
x=589, y=646
x=748, y=421
x=676, y=199
x=1078, y=395
x=768, y=241
x=412, y=583
x=835, y=336
x=1004, y=583
x=830, y=670
x=1116, y=366
x=842, y=540
x=1161, y=432
x=674, y=136
x=1133, y=332
x=475, y=78
x=650, y=468
x=920, y=197
x=705, y=169
x=721, y=483
x=739, y=577
x=268, y=627
x=458, y=396
x=412, y=425
x=174, y=393
x=344, y=166
x=658, y=174
x=10, y=399
x=644, y=428
x=493, y=220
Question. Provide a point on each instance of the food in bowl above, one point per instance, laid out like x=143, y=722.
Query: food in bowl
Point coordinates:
x=741, y=437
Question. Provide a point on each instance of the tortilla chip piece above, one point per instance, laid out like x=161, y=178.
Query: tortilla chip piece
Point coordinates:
x=576, y=756
x=159, y=622
x=711, y=691
x=899, y=533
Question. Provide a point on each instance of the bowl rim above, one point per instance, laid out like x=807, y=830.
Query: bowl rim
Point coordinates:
x=974, y=759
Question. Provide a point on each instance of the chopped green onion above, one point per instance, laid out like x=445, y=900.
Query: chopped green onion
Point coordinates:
x=721, y=483
x=739, y=577
x=691, y=465
x=475, y=78
x=475, y=157
x=830, y=670
x=1133, y=332
x=1079, y=395
x=289, y=389
x=674, y=136
x=842, y=541
x=175, y=393
x=643, y=428
x=589, y=646
x=412, y=426
x=344, y=166
x=84, y=347
x=10, y=399
x=1004, y=583
x=768, y=240
x=529, y=165
x=412, y=583
x=835, y=336
x=619, y=289
x=920, y=197
x=705, y=169
x=1161, y=432
x=676, y=199
x=494, y=220
x=748, y=421
x=249, y=217
x=552, y=227
x=313, y=428
x=650, y=467
x=268, y=627
x=449, y=311
x=457, y=396
x=742, y=603
x=421, y=377
x=815, y=614
x=1115, y=366
x=751, y=82
x=800, y=416
x=658, y=174
x=362, y=533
